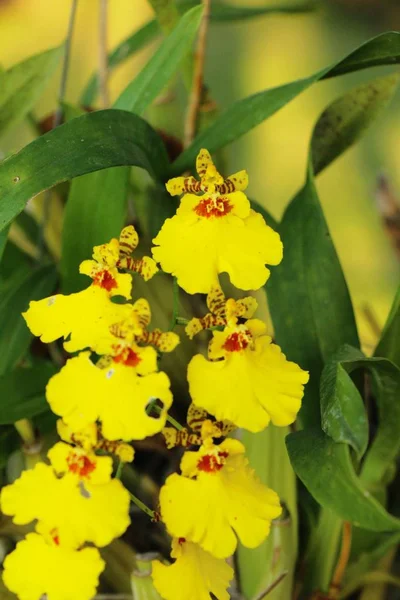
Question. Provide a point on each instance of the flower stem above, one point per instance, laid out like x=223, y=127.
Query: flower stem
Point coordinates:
x=103, y=58
x=198, y=77
x=65, y=67
x=119, y=470
x=175, y=303
x=32, y=445
x=271, y=587
x=335, y=586
x=153, y=406
x=26, y=431
x=181, y=321
x=58, y=116
x=175, y=423
x=151, y=513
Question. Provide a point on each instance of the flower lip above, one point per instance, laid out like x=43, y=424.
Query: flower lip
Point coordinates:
x=80, y=464
x=55, y=537
x=213, y=462
x=213, y=207
x=126, y=356
x=105, y=280
x=237, y=341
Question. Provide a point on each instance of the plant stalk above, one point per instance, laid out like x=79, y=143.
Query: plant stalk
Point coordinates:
x=32, y=445
x=103, y=54
x=198, y=77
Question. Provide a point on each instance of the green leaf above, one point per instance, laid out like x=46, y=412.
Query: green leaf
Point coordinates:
x=70, y=111
x=120, y=54
x=221, y=11
x=308, y=296
x=258, y=567
x=23, y=85
x=29, y=226
x=367, y=560
x=153, y=207
x=389, y=344
x=343, y=413
x=244, y=115
x=14, y=266
x=310, y=278
x=95, y=141
x=95, y=213
x=9, y=441
x=342, y=123
x=139, y=94
x=385, y=446
x=344, y=416
x=15, y=335
x=3, y=240
x=96, y=207
x=325, y=468
x=268, y=218
x=22, y=392
x=344, y=421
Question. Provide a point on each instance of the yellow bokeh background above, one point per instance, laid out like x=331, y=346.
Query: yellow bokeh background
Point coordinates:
x=243, y=58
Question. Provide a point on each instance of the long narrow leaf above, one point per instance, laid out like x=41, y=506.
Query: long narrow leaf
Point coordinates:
x=23, y=85
x=246, y=114
x=96, y=207
x=224, y=12
x=310, y=282
x=89, y=143
x=325, y=469
x=15, y=336
x=389, y=344
x=122, y=52
x=139, y=94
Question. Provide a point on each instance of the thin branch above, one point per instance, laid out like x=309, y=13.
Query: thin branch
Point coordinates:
x=198, y=77
x=344, y=556
x=103, y=55
x=271, y=587
x=151, y=513
x=175, y=303
x=58, y=116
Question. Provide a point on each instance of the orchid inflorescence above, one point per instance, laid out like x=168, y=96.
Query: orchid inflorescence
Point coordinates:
x=103, y=392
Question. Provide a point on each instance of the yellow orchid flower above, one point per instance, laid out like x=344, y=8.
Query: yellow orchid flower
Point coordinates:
x=222, y=311
x=74, y=504
x=217, y=498
x=39, y=568
x=215, y=233
x=247, y=379
x=195, y=574
x=82, y=393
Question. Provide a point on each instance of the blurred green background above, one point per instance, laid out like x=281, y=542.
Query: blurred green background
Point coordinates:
x=243, y=58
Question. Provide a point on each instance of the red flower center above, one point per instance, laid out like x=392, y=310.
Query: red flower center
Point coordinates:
x=80, y=465
x=212, y=463
x=55, y=537
x=209, y=207
x=237, y=341
x=105, y=280
x=126, y=356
